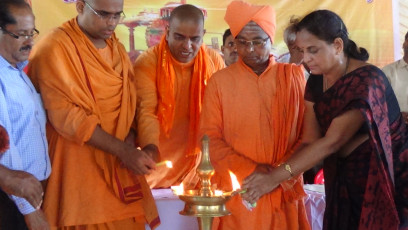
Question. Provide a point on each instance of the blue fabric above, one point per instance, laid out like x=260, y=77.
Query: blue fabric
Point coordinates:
x=22, y=115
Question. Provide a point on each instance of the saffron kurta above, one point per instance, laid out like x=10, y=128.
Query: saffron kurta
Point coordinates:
x=254, y=120
x=172, y=145
x=83, y=87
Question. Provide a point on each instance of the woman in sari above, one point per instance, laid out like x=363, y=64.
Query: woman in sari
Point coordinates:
x=352, y=122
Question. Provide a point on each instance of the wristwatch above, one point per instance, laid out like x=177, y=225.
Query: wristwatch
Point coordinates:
x=288, y=168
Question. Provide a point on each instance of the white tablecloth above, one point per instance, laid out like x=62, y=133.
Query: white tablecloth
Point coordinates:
x=169, y=207
x=315, y=203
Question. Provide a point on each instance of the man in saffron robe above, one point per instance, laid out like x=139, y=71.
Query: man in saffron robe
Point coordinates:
x=252, y=113
x=170, y=79
x=86, y=81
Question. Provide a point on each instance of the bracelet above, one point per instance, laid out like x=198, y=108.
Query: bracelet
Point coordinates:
x=288, y=168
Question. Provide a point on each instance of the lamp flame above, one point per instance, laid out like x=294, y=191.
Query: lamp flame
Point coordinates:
x=235, y=184
x=168, y=164
x=178, y=190
x=218, y=193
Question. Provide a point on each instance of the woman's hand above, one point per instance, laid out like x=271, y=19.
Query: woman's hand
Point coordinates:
x=258, y=184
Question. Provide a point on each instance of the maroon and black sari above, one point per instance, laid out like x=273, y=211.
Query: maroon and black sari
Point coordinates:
x=368, y=189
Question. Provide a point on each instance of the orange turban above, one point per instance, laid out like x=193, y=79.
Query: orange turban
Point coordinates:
x=240, y=13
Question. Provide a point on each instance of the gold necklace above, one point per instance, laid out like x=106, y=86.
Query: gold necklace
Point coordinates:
x=347, y=65
x=325, y=82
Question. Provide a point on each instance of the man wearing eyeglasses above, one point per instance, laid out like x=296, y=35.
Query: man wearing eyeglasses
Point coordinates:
x=171, y=78
x=229, y=48
x=86, y=80
x=253, y=113
x=26, y=163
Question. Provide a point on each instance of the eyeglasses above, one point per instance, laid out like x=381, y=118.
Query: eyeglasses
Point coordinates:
x=105, y=16
x=231, y=45
x=33, y=35
x=260, y=42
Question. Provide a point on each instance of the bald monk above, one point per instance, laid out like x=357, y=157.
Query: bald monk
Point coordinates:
x=86, y=81
x=171, y=78
x=252, y=113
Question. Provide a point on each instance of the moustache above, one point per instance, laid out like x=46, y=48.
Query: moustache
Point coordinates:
x=26, y=48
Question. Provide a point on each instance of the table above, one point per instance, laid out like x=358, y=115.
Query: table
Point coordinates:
x=169, y=207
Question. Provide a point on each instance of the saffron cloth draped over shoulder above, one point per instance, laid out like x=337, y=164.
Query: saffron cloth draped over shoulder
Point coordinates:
x=83, y=87
x=202, y=71
x=255, y=119
x=170, y=94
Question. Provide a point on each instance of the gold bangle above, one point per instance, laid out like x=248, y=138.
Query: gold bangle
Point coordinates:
x=288, y=168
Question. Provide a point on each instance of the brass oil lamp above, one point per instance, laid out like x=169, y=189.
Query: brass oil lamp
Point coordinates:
x=205, y=203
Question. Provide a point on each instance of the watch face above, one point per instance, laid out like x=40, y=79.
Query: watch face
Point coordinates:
x=287, y=168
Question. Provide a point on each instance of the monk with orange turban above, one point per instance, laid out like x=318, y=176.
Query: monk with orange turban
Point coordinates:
x=86, y=81
x=253, y=112
x=170, y=79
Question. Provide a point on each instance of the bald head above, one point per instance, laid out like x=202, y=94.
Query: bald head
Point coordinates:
x=185, y=32
x=187, y=12
x=99, y=18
